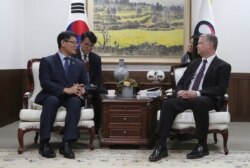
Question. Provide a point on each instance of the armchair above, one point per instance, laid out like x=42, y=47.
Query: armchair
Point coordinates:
x=30, y=114
x=185, y=123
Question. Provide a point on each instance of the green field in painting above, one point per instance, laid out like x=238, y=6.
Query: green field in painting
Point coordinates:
x=129, y=37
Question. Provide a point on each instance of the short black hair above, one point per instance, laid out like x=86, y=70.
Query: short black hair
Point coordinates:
x=89, y=35
x=65, y=35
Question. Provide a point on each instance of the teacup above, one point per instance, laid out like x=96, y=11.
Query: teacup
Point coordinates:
x=111, y=92
x=143, y=93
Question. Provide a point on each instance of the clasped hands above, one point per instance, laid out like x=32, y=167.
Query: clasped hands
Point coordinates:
x=186, y=94
x=76, y=89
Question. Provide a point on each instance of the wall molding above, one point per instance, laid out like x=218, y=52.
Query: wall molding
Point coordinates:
x=239, y=96
x=12, y=86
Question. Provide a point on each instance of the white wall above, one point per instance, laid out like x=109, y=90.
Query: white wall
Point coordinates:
x=233, y=30
x=11, y=29
x=29, y=29
x=43, y=21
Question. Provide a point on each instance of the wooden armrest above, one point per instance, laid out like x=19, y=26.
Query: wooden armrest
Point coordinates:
x=225, y=103
x=26, y=97
x=169, y=93
x=226, y=97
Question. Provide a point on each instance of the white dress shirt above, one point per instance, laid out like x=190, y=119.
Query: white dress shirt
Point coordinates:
x=209, y=60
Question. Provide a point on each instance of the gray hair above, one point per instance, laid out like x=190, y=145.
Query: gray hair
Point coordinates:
x=211, y=39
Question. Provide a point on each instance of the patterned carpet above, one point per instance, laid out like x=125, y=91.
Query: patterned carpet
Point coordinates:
x=117, y=158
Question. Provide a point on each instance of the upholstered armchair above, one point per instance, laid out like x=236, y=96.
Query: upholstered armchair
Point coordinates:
x=185, y=123
x=30, y=114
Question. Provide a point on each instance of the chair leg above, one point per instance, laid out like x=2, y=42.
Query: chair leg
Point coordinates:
x=215, y=138
x=20, y=134
x=36, y=137
x=225, y=138
x=91, y=137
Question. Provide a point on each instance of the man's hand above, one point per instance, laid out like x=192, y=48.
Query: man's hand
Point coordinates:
x=76, y=89
x=186, y=94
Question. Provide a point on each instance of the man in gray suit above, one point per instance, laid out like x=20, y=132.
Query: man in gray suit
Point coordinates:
x=201, y=89
x=63, y=80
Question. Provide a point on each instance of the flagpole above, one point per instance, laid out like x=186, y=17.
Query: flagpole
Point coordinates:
x=190, y=18
x=187, y=22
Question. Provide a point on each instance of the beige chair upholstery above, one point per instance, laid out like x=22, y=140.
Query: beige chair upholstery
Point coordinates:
x=184, y=122
x=30, y=114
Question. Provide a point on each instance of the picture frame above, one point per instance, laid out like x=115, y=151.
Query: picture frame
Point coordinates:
x=140, y=58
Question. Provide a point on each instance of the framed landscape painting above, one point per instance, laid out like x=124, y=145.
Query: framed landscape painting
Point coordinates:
x=140, y=31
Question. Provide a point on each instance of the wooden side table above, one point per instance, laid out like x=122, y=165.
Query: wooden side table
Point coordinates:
x=128, y=121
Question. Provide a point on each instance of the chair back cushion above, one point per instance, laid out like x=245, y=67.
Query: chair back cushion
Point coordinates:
x=33, y=115
x=37, y=86
x=178, y=72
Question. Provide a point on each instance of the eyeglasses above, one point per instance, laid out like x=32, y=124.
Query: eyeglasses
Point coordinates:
x=72, y=42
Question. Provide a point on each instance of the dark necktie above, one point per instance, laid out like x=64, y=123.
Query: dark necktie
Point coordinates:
x=199, y=76
x=84, y=57
x=86, y=62
x=66, y=65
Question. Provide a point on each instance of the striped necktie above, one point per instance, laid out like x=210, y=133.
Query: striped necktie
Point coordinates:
x=86, y=62
x=199, y=76
x=66, y=65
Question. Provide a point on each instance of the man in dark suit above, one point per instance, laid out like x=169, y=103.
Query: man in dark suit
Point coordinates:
x=201, y=88
x=94, y=69
x=62, y=79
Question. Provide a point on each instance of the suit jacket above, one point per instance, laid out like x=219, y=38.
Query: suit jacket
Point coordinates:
x=95, y=67
x=53, y=78
x=215, y=81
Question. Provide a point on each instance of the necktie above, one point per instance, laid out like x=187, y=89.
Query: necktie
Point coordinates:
x=84, y=57
x=199, y=76
x=66, y=65
x=86, y=62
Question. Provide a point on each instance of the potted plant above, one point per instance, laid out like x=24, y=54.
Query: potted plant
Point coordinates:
x=126, y=86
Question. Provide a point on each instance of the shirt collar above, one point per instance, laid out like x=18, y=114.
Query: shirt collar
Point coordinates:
x=209, y=59
x=61, y=56
x=82, y=53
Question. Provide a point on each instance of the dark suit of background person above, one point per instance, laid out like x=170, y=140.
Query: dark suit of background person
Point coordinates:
x=208, y=97
x=61, y=89
x=88, y=40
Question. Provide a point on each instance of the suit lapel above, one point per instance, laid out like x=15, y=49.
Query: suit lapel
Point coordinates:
x=188, y=75
x=194, y=69
x=71, y=67
x=91, y=63
x=79, y=54
x=210, y=68
x=59, y=65
x=91, y=58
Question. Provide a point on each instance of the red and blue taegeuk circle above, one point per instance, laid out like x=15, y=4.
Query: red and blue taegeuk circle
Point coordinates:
x=78, y=27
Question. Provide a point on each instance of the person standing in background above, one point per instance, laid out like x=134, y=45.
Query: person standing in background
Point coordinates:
x=188, y=56
x=93, y=66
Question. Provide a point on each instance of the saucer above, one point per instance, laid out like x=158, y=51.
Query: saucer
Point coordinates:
x=141, y=97
x=111, y=96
